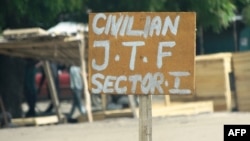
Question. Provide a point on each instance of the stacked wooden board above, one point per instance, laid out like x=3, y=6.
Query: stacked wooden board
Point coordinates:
x=212, y=81
x=241, y=66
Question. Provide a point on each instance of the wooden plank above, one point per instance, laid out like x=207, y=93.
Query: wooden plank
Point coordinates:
x=58, y=51
x=35, y=44
x=35, y=121
x=186, y=98
x=215, y=56
x=23, y=32
x=84, y=80
x=210, y=89
x=244, y=102
x=186, y=108
x=119, y=113
x=16, y=54
x=203, y=64
x=210, y=78
x=46, y=120
x=244, y=77
x=219, y=102
x=244, y=109
x=241, y=56
x=67, y=61
x=215, y=89
x=52, y=89
x=96, y=116
x=209, y=72
x=227, y=88
x=241, y=68
x=243, y=91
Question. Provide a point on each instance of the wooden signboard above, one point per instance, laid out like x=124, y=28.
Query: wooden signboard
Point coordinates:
x=142, y=52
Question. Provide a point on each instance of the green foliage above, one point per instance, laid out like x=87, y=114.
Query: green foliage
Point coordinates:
x=214, y=14
x=42, y=13
x=244, y=10
x=124, y=5
x=245, y=15
x=244, y=2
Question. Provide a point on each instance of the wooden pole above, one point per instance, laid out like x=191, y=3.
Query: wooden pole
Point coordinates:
x=85, y=82
x=52, y=89
x=145, y=118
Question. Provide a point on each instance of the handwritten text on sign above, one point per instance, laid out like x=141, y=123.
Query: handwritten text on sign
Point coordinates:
x=142, y=53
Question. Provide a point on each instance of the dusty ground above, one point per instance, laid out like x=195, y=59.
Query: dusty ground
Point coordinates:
x=202, y=127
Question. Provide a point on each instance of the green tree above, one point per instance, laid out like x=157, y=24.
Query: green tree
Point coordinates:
x=244, y=9
x=214, y=14
x=120, y=6
x=42, y=13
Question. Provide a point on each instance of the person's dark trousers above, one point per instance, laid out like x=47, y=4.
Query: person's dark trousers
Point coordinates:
x=30, y=91
x=77, y=103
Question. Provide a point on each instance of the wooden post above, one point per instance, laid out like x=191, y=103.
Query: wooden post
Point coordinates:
x=228, y=94
x=85, y=82
x=52, y=89
x=145, y=118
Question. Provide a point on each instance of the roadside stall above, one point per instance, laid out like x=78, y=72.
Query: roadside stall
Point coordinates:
x=62, y=48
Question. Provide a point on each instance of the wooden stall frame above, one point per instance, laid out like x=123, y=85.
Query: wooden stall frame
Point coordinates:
x=52, y=89
x=39, y=44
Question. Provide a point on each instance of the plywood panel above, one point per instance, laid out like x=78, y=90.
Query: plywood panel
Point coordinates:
x=212, y=80
x=141, y=50
x=241, y=63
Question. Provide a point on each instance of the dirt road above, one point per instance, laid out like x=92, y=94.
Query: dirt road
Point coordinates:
x=203, y=127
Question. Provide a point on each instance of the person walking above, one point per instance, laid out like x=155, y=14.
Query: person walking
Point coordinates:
x=76, y=86
x=30, y=87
